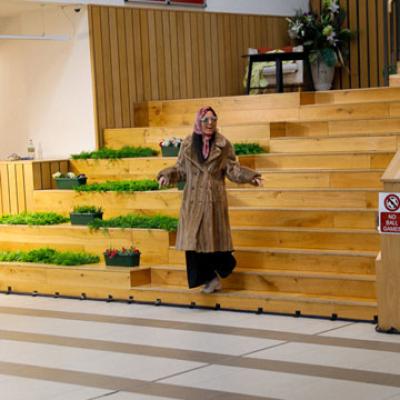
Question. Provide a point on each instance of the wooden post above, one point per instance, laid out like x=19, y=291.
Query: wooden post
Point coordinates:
x=388, y=267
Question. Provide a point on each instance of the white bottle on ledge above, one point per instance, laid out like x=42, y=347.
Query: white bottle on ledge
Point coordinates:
x=31, y=150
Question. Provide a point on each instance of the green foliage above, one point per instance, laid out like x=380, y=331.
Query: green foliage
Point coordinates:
x=49, y=256
x=36, y=218
x=87, y=209
x=124, y=152
x=119, y=186
x=248, y=148
x=170, y=224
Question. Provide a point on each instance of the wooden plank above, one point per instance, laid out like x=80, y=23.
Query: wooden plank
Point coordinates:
x=203, y=57
x=29, y=185
x=130, y=60
x=107, y=66
x=98, y=70
x=168, y=56
x=209, y=61
x=138, y=56
x=12, y=187
x=363, y=40
x=160, y=54
x=181, y=55
x=46, y=178
x=221, y=56
x=176, y=90
x=5, y=190
x=21, y=189
x=144, y=35
x=153, y=65
x=123, y=68
x=228, y=54
x=373, y=45
x=215, y=56
x=188, y=54
x=354, y=46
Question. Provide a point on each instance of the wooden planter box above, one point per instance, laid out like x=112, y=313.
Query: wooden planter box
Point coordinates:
x=69, y=183
x=123, y=260
x=84, y=218
x=170, y=151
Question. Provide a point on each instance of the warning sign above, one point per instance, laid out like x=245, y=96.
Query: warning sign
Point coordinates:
x=389, y=212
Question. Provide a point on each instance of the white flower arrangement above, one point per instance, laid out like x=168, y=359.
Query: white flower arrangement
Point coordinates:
x=171, y=142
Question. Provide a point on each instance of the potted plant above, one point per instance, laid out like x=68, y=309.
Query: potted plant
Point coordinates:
x=69, y=180
x=170, y=147
x=323, y=37
x=84, y=215
x=124, y=257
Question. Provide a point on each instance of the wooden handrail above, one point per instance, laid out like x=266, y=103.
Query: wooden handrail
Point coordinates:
x=387, y=267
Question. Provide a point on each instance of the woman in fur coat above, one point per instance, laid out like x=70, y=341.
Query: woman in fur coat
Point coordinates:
x=205, y=159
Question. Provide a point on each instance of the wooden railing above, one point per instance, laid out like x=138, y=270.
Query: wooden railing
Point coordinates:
x=18, y=179
x=388, y=265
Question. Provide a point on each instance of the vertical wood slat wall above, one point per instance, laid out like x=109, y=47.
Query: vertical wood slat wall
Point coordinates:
x=18, y=179
x=147, y=54
x=367, y=62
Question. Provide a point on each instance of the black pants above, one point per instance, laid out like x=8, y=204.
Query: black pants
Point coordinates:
x=203, y=267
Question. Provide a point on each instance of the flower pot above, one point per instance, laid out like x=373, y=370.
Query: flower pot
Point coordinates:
x=170, y=151
x=322, y=75
x=69, y=183
x=123, y=260
x=84, y=218
x=181, y=185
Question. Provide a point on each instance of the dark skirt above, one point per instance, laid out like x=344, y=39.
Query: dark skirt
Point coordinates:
x=203, y=267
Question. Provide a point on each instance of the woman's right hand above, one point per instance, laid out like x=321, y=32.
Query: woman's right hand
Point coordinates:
x=162, y=182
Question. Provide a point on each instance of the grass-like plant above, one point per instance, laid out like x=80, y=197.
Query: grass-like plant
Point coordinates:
x=124, y=152
x=170, y=224
x=35, y=218
x=49, y=256
x=248, y=148
x=87, y=209
x=120, y=186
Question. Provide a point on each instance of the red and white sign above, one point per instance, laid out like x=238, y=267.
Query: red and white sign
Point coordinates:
x=389, y=212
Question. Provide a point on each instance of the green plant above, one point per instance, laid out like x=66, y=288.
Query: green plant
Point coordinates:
x=120, y=186
x=124, y=152
x=165, y=222
x=322, y=35
x=36, y=218
x=112, y=252
x=87, y=209
x=49, y=256
x=248, y=148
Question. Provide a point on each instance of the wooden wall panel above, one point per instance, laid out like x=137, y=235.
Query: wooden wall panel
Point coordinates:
x=18, y=179
x=146, y=54
x=367, y=61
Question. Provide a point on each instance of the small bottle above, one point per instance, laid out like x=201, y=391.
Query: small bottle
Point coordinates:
x=31, y=150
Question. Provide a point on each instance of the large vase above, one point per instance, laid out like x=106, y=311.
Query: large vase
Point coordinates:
x=322, y=75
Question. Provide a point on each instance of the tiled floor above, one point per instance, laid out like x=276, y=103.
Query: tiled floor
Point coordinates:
x=57, y=349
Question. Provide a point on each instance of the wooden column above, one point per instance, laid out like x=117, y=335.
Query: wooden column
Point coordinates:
x=388, y=267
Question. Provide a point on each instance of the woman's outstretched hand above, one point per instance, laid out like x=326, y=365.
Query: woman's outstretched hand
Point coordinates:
x=162, y=182
x=257, y=181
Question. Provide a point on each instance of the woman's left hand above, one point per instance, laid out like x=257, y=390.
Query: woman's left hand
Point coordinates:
x=257, y=181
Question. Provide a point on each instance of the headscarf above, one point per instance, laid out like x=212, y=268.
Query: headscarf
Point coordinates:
x=198, y=131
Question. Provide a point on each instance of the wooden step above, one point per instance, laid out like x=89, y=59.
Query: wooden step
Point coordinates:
x=318, y=160
x=328, y=284
x=350, y=96
x=335, y=128
x=94, y=281
x=81, y=238
x=269, y=302
x=82, y=282
x=386, y=143
x=337, y=261
x=306, y=238
x=394, y=80
x=113, y=203
x=230, y=110
x=353, y=111
x=152, y=136
x=131, y=168
x=302, y=217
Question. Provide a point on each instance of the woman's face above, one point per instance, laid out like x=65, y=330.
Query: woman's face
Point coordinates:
x=208, y=123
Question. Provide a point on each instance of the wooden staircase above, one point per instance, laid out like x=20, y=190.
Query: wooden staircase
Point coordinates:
x=306, y=242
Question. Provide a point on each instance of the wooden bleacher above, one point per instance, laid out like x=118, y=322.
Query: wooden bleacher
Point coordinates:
x=306, y=242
